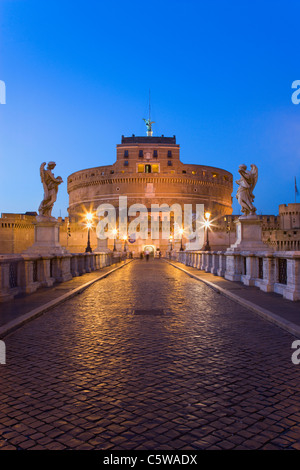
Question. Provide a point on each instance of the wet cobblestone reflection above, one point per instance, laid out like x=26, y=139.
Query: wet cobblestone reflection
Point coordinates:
x=200, y=373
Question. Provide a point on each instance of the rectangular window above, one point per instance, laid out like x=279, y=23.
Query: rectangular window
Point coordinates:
x=126, y=163
x=154, y=153
x=140, y=168
x=155, y=168
x=169, y=163
x=141, y=153
x=169, y=153
x=126, y=155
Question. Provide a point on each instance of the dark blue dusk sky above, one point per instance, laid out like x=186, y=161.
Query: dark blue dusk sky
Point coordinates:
x=78, y=74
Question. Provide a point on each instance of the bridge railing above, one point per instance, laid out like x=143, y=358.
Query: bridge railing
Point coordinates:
x=24, y=274
x=277, y=272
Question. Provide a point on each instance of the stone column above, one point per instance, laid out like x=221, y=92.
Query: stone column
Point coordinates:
x=44, y=273
x=6, y=292
x=249, y=278
x=222, y=264
x=63, y=269
x=267, y=283
x=26, y=276
x=233, y=267
x=292, y=290
x=215, y=263
x=74, y=266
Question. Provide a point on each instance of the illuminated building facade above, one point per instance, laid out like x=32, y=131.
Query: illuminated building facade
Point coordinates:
x=148, y=171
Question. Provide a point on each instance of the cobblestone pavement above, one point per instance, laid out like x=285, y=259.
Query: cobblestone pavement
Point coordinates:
x=149, y=358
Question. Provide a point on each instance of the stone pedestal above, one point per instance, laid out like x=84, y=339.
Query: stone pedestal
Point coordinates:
x=102, y=246
x=239, y=261
x=46, y=238
x=249, y=235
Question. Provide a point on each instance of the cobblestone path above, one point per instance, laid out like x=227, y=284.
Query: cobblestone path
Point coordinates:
x=149, y=358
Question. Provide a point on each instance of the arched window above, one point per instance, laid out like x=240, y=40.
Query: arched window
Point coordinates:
x=147, y=168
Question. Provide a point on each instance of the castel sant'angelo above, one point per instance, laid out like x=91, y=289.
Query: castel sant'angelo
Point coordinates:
x=148, y=171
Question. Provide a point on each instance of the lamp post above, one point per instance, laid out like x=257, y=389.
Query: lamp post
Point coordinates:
x=125, y=243
x=89, y=218
x=171, y=239
x=228, y=229
x=181, y=233
x=114, y=234
x=207, y=224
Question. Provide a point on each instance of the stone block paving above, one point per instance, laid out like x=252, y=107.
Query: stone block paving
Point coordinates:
x=149, y=358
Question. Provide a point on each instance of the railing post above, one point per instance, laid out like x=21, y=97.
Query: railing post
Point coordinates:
x=249, y=277
x=292, y=290
x=203, y=261
x=214, y=263
x=74, y=266
x=208, y=263
x=266, y=284
x=233, y=267
x=44, y=271
x=6, y=292
x=222, y=264
x=194, y=260
x=27, y=283
x=63, y=268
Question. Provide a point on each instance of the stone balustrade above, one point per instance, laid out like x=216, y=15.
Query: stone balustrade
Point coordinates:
x=271, y=272
x=24, y=274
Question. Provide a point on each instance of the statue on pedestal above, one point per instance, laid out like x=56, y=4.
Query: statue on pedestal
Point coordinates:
x=50, y=184
x=149, y=123
x=246, y=184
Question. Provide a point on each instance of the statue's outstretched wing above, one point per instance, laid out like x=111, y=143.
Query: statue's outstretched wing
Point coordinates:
x=254, y=176
x=42, y=175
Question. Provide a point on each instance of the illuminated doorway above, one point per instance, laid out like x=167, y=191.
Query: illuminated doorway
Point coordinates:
x=150, y=249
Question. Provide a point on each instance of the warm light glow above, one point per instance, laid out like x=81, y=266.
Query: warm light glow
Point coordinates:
x=89, y=225
x=89, y=216
x=207, y=215
x=125, y=237
x=181, y=231
x=114, y=231
x=171, y=238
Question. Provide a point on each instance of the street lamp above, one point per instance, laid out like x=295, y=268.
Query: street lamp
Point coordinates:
x=181, y=233
x=207, y=225
x=114, y=232
x=171, y=239
x=89, y=218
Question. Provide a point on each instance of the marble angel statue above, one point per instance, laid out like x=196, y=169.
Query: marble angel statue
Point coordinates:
x=50, y=184
x=246, y=184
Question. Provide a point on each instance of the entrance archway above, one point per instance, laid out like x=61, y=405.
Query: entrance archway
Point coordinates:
x=149, y=248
